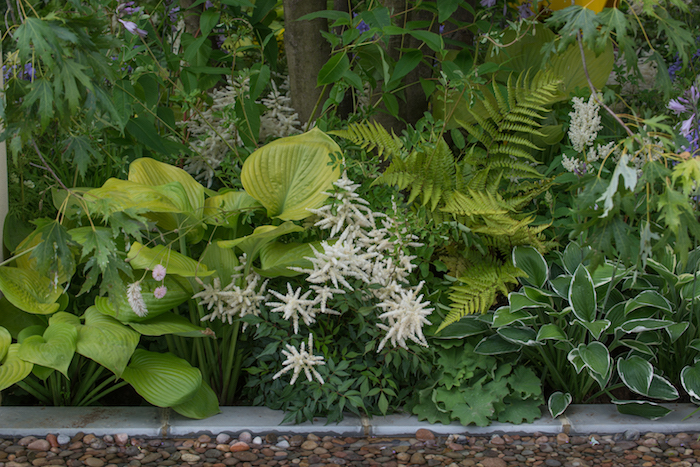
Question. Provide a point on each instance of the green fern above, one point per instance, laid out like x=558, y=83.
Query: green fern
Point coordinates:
x=372, y=135
x=481, y=284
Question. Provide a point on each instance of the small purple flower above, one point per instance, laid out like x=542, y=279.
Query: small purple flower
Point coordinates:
x=208, y=4
x=159, y=272
x=133, y=28
x=160, y=292
x=127, y=8
x=676, y=106
x=525, y=10
x=687, y=126
x=487, y=3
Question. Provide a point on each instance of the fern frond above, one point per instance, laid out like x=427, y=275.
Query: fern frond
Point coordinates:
x=474, y=203
x=371, y=135
x=481, y=284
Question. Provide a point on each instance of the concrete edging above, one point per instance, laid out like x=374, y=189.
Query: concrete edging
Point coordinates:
x=153, y=422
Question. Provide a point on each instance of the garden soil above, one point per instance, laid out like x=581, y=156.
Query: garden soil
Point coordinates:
x=423, y=449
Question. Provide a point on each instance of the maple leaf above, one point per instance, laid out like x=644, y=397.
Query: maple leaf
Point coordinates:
x=524, y=381
x=518, y=411
x=470, y=405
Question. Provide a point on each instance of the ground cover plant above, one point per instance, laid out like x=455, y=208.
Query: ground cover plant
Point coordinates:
x=459, y=181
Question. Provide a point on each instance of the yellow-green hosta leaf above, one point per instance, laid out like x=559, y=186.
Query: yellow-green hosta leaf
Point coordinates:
x=106, y=341
x=13, y=368
x=29, y=291
x=119, y=195
x=569, y=67
x=175, y=296
x=148, y=171
x=222, y=260
x=15, y=320
x=170, y=323
x=65, y=317
x=276, y=258
x=54, y=349
x=203, y=404
x=164, y=380
x=289, y=175
x=143, y=257
x=261, y=236
x=225, y=208
x=5, y=341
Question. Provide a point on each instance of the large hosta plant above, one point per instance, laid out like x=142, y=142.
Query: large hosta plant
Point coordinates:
x=608, y=330
x=122, y=263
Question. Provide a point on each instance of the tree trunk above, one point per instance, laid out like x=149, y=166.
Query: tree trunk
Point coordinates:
x=307, y=52
x=191, y=15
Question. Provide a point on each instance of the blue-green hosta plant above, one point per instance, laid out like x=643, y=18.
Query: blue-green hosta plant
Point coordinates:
x=594, y=331
x=131, y=258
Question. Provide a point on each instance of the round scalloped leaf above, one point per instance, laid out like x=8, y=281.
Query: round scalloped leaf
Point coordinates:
x=29, y=291
x=164, y=380
x=289, y=175
x=532, y=263
x=13, y=368
x=54, y=349
x=5, y=341
x=106, y=341
x=203, y=404
x=558, y=402
x=650, y=410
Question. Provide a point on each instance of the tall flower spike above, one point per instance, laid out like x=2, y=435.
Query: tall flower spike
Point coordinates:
x=585, y=123
x=298, y=360
x=406, y=315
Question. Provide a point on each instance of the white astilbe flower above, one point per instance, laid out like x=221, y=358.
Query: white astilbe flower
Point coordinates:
x=323, y=294
x=349, y=209
x=294, y=306
x=233, y=301
x=298, y=360
x=338, y=261
x=405, y=314
x=135, y=299
x=585, y=123
x=279, y=119
x=572, y=164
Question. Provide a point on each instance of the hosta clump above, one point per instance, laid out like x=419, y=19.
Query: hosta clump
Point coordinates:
x=597, y=330
x=357, y=300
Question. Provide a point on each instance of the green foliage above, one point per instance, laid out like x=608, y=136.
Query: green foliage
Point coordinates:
x=473, y=388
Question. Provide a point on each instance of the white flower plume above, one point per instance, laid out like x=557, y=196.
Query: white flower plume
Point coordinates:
x=298, y=360
x=135, y=299
x=585, y=123
x=406, y=315
x=350, y=208
x=232, y=301
x=294, y=306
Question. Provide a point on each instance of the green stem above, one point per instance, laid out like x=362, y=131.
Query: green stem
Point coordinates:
x=98, y=394
x=36, y=392
x=606, y=390
x=228, y=365
x=553, y=370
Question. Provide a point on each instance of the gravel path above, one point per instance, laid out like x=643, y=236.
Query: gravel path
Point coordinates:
x=423, y=449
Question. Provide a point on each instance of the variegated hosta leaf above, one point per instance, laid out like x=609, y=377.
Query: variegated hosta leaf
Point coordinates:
x=225, y=208
x=29, y=291
x=164, y=380
x=582, y=296
x=532, y=263
x=519, y=335
x=203, y=404
x=170, y=323
x=690, y=379
x=650, y=410
x=636, y=373
x=13, y=368
x=143, y=257
x=54, y=349
x=106, y=341
x=289, y=175
x=558, y=402
x=155, y=306
x=648, y=298
x=5, y=341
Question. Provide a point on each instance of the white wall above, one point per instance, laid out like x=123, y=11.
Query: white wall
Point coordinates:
x=3, y=169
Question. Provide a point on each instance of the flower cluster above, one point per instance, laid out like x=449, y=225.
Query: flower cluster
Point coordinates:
x=239, y=298
x=214, y=131
x=298, y=360
x=687, y=108
x=585, y=123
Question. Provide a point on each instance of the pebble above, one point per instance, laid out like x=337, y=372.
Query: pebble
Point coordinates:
x=425, y=448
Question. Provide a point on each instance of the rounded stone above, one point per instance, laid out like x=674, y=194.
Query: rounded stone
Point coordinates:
x=284, y=444
x=309, y=445
x=189, y=457
x=424, y=435
x=94, y=462
x=63, y=439
x=39, y=445
x=493, y=462
x=239, y=446
x=223, y=438
x=245, y=437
